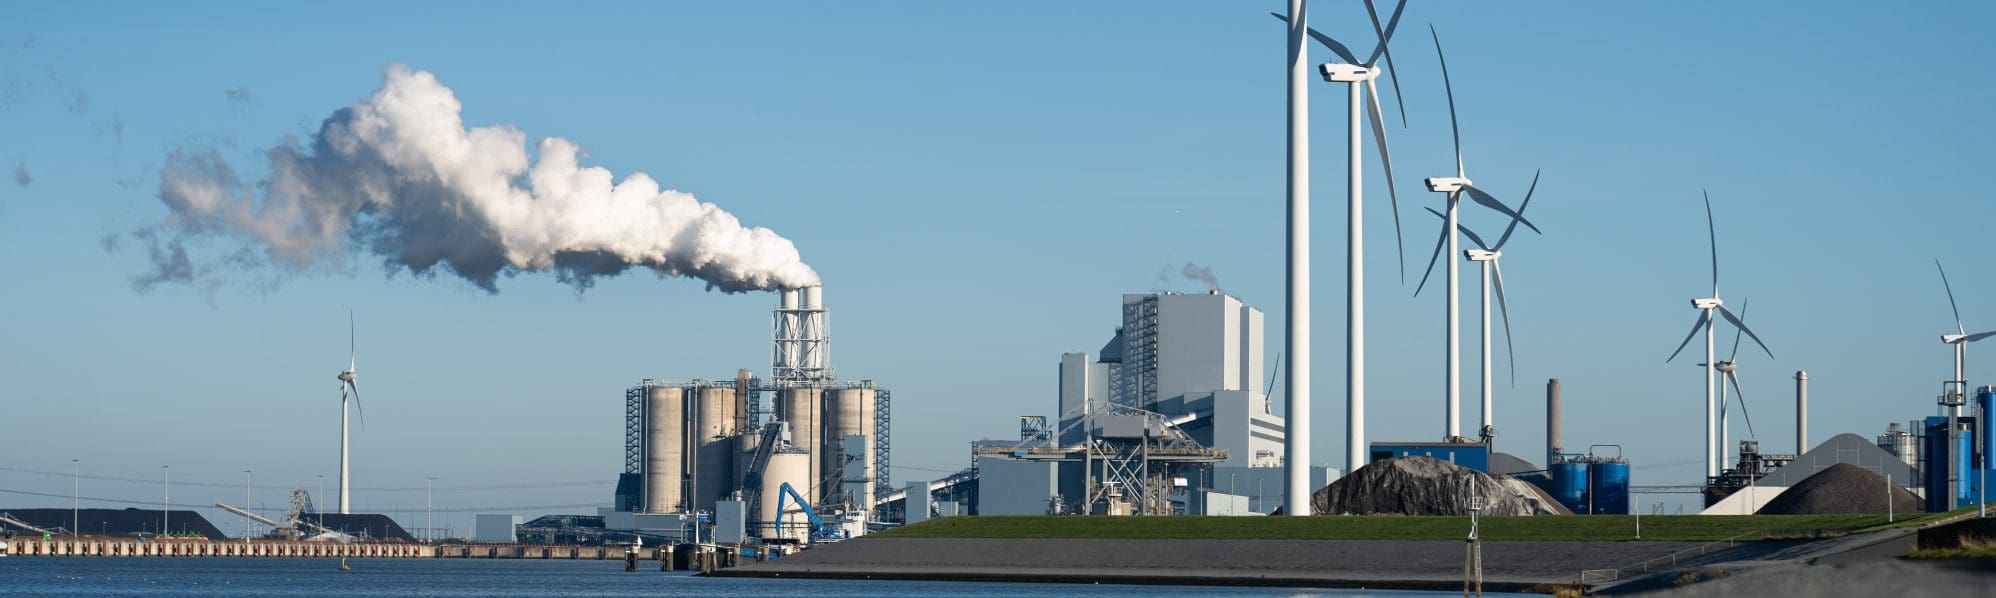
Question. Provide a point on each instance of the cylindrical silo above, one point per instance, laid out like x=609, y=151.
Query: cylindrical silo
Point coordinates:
x=665, y=420
x=800, y=407
x=848, y=411
x=785, y=466
x=1569, y=485
x=1608, y=487
x=714, y=446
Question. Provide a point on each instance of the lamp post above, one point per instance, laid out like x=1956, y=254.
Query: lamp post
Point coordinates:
x=166, y=499
x=75, y=498
x=429, y=524
x=246, y=505
x=319, y=510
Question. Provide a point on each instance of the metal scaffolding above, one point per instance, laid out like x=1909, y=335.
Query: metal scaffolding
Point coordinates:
x=1139, y=369
x=883, y=445
x=1130, y=457
x=634, y=427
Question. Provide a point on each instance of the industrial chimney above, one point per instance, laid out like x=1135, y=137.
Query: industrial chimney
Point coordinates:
x=800, y=335
x=1552, y=421
x=1801, y=411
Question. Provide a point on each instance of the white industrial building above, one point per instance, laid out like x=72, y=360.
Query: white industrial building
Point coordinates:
x=1191, y=362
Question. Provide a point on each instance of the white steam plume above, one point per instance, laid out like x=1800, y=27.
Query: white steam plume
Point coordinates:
x=398, y=176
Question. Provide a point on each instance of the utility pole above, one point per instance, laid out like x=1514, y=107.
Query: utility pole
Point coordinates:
x=317, y=509
x=75, y=498
x=429, y=524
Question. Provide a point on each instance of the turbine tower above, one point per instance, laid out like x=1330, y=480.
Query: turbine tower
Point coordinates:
x=1358, y=75
x=1455, y=187
x=1488, y=259
x=1960, y=340
x=349, y=382
x=1707, y=308
x=1296, y=464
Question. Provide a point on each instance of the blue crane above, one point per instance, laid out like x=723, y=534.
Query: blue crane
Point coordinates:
x=819, y=531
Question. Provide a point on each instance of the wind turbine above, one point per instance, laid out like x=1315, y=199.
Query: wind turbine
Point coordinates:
x=1456, y=186
x=1356, y=75
x=1707, y=307
x=1730, y=370
x=1960, y=339
x=1488, y=256
x=349, y=381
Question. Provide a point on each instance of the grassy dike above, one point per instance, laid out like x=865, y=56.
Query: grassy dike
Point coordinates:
x=1678, y=528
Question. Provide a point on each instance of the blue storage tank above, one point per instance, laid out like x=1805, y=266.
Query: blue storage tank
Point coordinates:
x=1569, y=485
x=1608, y=487
x=1935, y=467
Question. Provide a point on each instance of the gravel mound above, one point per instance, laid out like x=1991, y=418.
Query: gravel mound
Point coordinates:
x=1842, y=488
x=1428, y=486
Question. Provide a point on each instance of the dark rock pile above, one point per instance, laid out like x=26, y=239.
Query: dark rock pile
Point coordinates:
x=1428, y=486
x=1840, y=489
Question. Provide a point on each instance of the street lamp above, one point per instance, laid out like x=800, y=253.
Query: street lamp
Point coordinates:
x=166, y=498
x=246, y=505
x=429, y=524
x=75, y=500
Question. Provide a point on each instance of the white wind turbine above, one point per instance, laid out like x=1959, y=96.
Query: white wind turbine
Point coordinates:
x=349, y=381
x=1707, y=307
x=1488, y=256
x=1730, y=370
x=1960, y=340
x=1356, y=75
x=1455, y=187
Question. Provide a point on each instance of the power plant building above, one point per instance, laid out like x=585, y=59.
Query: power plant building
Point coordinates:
x=1182, y=370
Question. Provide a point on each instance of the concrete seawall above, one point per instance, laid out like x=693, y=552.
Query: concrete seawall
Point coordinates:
x=133, y=548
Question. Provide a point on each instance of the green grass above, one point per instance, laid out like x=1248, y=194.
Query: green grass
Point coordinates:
x=1969, y=549
x=1686, y=528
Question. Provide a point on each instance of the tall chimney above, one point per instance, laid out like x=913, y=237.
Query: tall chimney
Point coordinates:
x=1801, y=411
x=1552, y=421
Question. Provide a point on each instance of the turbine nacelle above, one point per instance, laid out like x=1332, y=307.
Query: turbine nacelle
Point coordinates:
x=1481, y=255
x=1952, y=338
x=347, y=376
x=1709, y=303
x=1338, y=72
x=1446, y=184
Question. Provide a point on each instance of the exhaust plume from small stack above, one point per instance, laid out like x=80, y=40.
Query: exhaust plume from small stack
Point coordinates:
x=399, y=176
x=1202, y=274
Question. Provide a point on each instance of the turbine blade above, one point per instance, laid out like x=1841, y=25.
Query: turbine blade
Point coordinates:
x=1491, y=202
x=1743, y=328
x=1386, y=159
x=1734, y=377
x=1978, y=336
x=1736, y=334
x=1513, y=225
x=361, y=413
x=1336, y=48
x=1712, y=232
x=1385, y=37
x=1503, y=307
x=351, y=363
x=1958, y=328
x=1440, y=242
x=1703, y=320
x=1455, y=130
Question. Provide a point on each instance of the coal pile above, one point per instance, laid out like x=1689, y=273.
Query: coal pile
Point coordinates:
x=1429, y=486
x=1841, y=489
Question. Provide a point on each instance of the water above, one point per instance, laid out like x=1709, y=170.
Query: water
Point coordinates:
x=159, y=576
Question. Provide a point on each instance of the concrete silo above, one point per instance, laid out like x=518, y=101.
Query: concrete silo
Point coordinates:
x=786, y=466
x=848, y=411
x=713, y=445
x=664, y=448
x=801, y=408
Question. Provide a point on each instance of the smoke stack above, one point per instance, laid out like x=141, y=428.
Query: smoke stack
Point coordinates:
x=801, y=338
x=1552, y=421
x=1801, y=411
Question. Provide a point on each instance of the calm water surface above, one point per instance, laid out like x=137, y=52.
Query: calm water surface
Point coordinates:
x=476, y=577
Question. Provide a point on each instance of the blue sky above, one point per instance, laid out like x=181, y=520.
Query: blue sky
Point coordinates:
x=977, y=183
